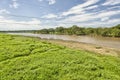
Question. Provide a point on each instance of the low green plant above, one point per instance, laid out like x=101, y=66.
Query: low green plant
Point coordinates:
x=23, y=58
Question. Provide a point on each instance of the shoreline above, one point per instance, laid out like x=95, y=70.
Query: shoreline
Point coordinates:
x=108, y=42
x=95, y=36
x=81, y=46
x=85, y=46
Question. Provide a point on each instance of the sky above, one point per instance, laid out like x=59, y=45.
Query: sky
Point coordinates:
x=39, y=14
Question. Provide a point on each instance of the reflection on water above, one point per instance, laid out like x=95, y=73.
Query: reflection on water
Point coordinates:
x=108, y=42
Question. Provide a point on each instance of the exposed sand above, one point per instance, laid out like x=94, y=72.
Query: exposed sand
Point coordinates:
x=88, y=47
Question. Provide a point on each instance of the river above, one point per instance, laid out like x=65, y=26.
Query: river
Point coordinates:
x=100, y=41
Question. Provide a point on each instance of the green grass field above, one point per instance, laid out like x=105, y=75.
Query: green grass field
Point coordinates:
x=25, y=58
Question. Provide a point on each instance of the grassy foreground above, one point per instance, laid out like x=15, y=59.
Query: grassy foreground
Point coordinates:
x=23, y=58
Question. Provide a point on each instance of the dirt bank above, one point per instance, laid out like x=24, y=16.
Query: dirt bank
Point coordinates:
x=88, y=47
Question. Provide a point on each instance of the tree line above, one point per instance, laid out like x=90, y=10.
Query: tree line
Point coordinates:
x=76, y=30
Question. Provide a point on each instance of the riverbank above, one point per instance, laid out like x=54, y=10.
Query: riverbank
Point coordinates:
x=100, y=41
x=106, y=46
x=85, y=46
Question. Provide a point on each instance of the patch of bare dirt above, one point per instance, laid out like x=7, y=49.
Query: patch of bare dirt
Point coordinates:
x=88, y=47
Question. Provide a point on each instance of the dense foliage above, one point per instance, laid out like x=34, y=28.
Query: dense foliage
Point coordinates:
x=24, y=58
x=75, y=30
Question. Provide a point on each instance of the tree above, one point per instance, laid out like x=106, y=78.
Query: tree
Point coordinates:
x=44, y=31
x=59, y=30
x=51, y=31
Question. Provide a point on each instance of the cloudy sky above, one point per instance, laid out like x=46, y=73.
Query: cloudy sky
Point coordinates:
x=38, y=14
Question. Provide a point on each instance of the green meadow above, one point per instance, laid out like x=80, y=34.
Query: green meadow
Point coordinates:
x=25, y=58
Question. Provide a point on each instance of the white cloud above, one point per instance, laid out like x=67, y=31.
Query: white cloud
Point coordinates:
x=10, y=21
x=111, y=2
x=80, y=9
x=77, y=11
x=91, y=7
x=88, y=13
x=9, y=24
x=50, y=16
x=40, y=0
x=82, y=16
x=107, y=14
x=77, y=18
x=51, y=2
x=1, y=18
x=104, y=18
x=107, y=23
x=31, y=22
x=14, y=4
x=14, y=0
x=4, y=11
x=87, y=3
x=89, y=16
x=114, y=7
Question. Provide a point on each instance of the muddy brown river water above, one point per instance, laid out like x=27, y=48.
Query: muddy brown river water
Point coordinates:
x=100, y=41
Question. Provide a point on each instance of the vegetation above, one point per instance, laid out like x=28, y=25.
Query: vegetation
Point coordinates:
x=75, y=30
x=23, y=58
